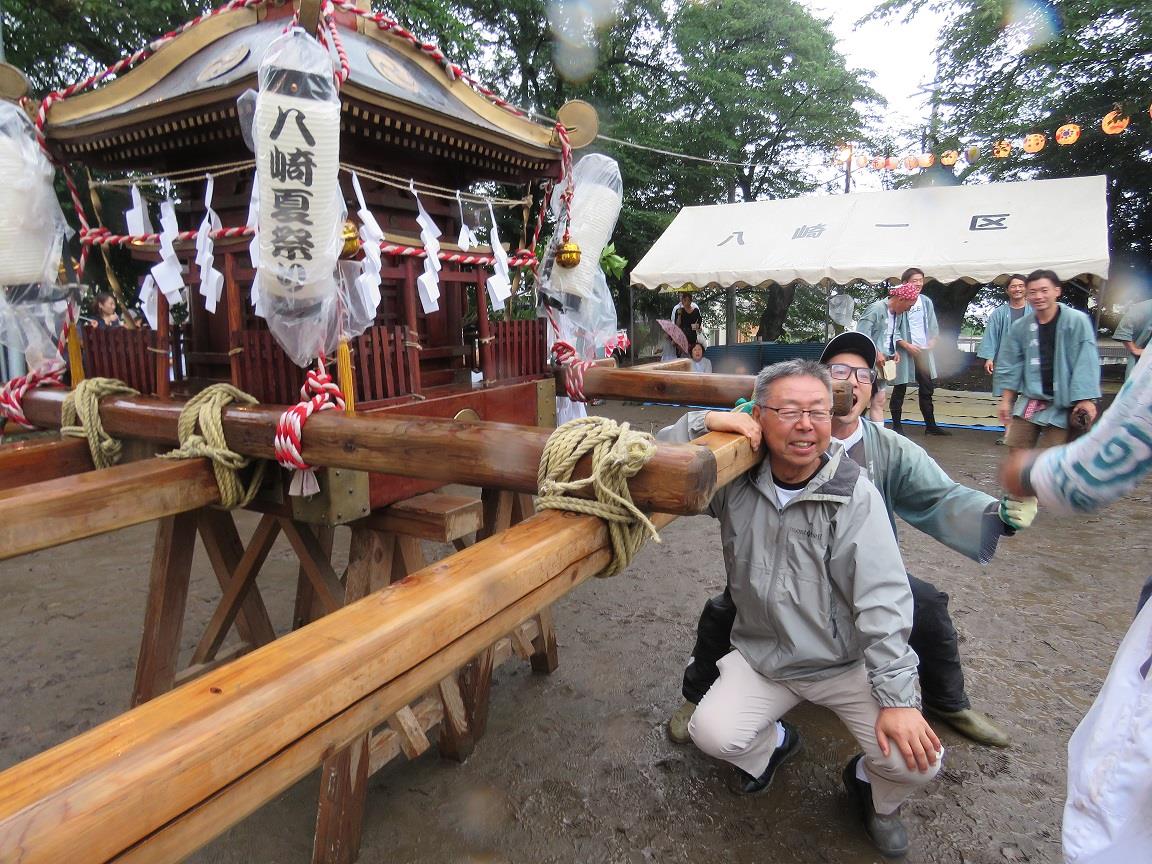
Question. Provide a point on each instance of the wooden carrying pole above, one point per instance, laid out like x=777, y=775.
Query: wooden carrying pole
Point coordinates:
x=680, y=479
x=161, y=765
x=24, y=462
x=46, y=514
x=683, y=388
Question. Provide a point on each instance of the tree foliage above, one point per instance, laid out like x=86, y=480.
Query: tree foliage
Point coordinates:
x=1067, y=62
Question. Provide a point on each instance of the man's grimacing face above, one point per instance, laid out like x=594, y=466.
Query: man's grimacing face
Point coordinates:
x=861, y=392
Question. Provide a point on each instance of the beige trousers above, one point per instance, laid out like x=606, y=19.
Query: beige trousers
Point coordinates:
x=736, y=722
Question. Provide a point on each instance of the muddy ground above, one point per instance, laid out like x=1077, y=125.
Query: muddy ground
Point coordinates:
x=576, y=766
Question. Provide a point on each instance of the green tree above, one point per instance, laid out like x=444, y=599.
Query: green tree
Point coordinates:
x=1066, y=62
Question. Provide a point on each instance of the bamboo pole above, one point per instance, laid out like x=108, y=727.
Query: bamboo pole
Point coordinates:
x=46, y=514
x=679, y=479
x=96, y=796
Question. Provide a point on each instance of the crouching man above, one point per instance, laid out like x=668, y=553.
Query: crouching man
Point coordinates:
x=823, y=606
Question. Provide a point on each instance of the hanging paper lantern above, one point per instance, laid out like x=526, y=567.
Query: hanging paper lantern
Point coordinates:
x=972, y=154
x=1001, y=149
x=296, y=130
x=911, y=163
x=891, y=163
x=878, y=163
x=844, y=155
x=1114, y=122
x=861, y=161
x=1035, y=142
x=949, y=157
x=1067, y=134
x=926, y=160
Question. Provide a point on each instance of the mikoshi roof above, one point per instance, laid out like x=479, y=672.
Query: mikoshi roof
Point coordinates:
x=975, y=233
x=183, y=99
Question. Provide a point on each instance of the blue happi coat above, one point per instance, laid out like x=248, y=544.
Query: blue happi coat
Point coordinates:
x=996, y=336
x=1135, y=327
x=1075, y=366
x=874, y=324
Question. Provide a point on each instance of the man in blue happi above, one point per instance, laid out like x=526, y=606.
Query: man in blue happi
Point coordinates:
x=1135, y=331
x=999, y=322
x=1049, y=369
x=906, y=330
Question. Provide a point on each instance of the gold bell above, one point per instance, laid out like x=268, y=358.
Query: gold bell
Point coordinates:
x=351, y=237
x=569, y=254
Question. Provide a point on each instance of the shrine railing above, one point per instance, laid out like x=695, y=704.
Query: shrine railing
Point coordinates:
x=519, y=348
x=117, y=352
x=384, y=365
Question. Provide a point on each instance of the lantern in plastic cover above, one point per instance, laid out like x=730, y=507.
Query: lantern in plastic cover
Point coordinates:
x=1001, y=149
x=1035, y=142
x=949, y=157
x=1067, y=134
x=296, y=132
x=861, y=161
x=1114, y=122
x=972, y=154
x=911, y=163
x=31, y=225
x=926, y=160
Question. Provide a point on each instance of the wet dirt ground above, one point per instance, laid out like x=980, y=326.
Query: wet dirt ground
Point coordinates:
x=576, y=766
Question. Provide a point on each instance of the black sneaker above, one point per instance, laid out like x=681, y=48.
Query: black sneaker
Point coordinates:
x=937, y=430
x=755, y=785
x=887, y=833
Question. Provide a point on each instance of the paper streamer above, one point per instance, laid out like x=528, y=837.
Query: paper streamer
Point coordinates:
x=499, y=283
x=371, y=236
x=211, y=279
x=168, y=274
x=428, y=283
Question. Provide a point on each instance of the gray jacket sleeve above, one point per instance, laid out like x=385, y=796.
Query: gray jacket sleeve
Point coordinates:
x=684, y=431
x=865, y=564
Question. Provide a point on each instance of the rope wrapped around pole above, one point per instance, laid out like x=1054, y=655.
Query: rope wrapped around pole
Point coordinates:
x=618, y=453
x=80, y=417
x=204, y=410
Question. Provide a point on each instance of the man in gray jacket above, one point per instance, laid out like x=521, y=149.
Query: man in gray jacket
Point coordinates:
x=823, y=607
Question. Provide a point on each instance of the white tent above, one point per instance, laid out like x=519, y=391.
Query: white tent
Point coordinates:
x=976, y=233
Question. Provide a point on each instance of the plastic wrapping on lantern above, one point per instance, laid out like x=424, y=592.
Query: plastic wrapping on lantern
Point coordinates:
x=32, y=227
x=32, y=318
x=296, y=131
x=582, y=291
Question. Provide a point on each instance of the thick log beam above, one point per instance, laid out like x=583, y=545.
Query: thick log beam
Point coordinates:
x=42, y=515
x=23, y=462
x=683, y=388
x=680, y=479
x=97, y=796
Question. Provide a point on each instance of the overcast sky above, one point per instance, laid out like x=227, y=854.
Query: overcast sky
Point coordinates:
x=900, y=54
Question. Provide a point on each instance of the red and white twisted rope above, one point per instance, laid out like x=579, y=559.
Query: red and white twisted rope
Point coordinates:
x=49, y=374
x=319, y=393
x=328, y=23
x=574, y=379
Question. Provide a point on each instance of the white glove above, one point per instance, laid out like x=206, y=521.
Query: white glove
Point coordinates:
x=1017, y=513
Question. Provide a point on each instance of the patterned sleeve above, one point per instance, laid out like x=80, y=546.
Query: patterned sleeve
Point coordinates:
x=1109, y=461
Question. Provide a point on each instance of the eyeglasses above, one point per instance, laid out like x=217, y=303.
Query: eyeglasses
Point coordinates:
x=793, y=415
x=842, y=372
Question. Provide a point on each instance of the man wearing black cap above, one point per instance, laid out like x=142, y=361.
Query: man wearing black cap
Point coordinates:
x=914, y=487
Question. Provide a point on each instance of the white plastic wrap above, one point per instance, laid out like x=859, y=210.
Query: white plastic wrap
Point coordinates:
x=32, y=227
x=300, y=213
x=582, y=291
x=32, y=318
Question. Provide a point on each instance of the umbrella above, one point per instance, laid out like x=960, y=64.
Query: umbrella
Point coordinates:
x=675, y=334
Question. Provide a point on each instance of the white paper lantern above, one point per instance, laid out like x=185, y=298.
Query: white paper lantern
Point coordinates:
x=31, y=224
x=297, y=135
